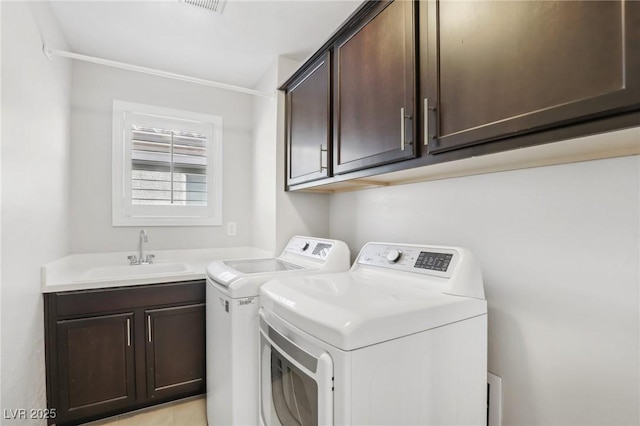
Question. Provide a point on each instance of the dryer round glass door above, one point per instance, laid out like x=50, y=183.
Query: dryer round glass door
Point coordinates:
x=295, y=385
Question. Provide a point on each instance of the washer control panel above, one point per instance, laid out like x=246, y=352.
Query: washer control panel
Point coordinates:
x=310, y=247
x=436, y=261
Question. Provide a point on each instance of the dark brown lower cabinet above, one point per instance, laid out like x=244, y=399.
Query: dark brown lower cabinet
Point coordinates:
x=96, y=359
x=175, y=350
x=110, y=351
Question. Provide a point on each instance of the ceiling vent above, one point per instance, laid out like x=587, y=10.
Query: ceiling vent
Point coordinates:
x=215, y=6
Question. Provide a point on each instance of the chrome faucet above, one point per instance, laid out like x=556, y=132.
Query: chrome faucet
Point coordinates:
x=143, y=239
x=141, y=259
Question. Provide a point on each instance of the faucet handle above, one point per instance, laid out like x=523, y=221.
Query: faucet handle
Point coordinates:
x=133, y=259
x=150, y=258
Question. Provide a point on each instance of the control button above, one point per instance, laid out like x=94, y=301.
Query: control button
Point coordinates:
x=305, y=246
x=394, y=255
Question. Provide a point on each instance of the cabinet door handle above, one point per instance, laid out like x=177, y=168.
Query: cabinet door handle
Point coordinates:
x=426, y=120
x=403, y=118
x=402, y=129
x=321, y=151
x=128, y=332
x=149, y=326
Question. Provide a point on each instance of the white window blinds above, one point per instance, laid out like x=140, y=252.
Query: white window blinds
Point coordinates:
x=169, y=167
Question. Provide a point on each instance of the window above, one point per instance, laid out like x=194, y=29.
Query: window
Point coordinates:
x=167, y=167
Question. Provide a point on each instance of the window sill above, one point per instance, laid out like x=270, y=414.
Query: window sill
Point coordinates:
x=166, y=221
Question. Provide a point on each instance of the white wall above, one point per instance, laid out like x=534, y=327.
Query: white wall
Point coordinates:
x=1, y=214
x=93, y=91
x=559, y=248
x=264, y=162
x=35, y=190
x=278, y=215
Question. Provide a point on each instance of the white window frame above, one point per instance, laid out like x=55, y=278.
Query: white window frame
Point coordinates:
x=124, y=213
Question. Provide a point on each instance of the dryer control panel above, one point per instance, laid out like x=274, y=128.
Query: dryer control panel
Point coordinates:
x=436, y=261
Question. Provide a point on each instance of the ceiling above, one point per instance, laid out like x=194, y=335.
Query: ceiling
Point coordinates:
x=235, y=47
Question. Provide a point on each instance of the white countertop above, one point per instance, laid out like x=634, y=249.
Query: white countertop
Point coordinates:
x=104, y=270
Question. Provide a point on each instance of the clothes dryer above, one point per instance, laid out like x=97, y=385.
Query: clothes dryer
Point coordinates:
x=232, y=321
x=399, y=339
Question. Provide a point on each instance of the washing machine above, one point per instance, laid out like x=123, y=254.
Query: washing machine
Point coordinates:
x=400, y=339
x=232, y=321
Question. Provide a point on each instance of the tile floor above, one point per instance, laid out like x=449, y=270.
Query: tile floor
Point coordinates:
x=192, y=412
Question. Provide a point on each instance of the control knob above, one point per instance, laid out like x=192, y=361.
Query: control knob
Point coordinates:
x=305, y=246
x=394, y=255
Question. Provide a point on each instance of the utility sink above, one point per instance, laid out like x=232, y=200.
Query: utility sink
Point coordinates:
x=88, y=271
x=132, y=271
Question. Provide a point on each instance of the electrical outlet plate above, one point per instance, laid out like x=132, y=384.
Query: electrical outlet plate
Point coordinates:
x=494, y=400
x=232, y=229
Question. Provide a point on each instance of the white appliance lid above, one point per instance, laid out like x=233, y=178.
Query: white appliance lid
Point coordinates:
x=258, y=266
x=242, y=276
x=237, y=278
x=354, y=309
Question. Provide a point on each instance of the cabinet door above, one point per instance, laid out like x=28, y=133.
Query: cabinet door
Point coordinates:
x=496, y=69
x=374, y=89
x=175, y=351
x=95, y=365
x=309, y=124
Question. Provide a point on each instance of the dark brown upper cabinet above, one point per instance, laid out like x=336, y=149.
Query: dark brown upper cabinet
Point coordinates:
x=309, y=123
x=373, y=89
x=418, y=83
x=492, y=70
